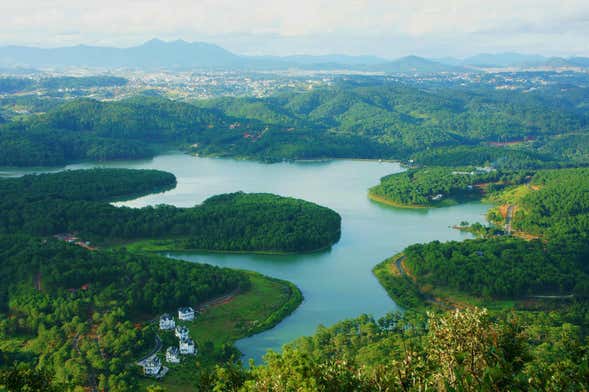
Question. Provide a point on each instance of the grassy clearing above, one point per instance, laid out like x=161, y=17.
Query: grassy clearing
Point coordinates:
x=261, y=307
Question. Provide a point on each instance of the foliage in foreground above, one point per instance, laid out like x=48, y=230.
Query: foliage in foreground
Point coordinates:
x=462, y=350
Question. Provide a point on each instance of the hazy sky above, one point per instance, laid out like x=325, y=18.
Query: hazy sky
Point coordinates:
x=388, y=28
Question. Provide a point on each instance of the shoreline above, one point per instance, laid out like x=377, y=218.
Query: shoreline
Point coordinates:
x=382, y=200
x=138, y=247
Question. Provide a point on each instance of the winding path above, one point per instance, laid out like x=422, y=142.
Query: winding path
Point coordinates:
x=158, y=347
x=427, y=297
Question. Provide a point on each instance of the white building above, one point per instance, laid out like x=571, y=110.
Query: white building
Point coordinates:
x=173, y=354
x=182, y=332
x=187, y=346
x=186, y=313
x=167, y=321
x=152, y=366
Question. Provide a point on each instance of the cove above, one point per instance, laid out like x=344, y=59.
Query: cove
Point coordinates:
x=336, y=283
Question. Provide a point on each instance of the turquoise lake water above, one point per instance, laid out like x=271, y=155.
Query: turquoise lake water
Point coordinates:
x=337, y=283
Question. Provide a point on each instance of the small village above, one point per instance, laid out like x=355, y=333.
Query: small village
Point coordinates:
x=152, y=365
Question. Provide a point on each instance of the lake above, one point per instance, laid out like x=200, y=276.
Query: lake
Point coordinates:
x=337, y=283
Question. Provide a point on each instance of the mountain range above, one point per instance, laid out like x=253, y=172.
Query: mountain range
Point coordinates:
x=158, y=54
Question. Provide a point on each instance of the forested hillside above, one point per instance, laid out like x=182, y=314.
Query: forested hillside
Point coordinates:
x=75, y=201
x=353, y=119
x=92, y=130
x=500, y=267
x=556, y=206
x=396, y=120
x=70, y=312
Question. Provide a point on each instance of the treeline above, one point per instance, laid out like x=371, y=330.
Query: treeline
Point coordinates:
x=437, y=185
x=348, y=120
x=500, y=268
x=43, y=205
x=466, y=350
x=90, y=130
x=501, y=158
x=76, y=307
x=89, y=185
x=402, y=120
x=11, y=85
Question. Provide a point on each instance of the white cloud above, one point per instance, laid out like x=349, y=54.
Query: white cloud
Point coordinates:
x=549, y=25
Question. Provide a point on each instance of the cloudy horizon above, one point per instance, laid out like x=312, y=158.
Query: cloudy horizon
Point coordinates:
x=383, y=28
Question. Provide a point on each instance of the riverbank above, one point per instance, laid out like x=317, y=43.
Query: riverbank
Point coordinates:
x=171, y=246
x=398, y=285
x=389, y=202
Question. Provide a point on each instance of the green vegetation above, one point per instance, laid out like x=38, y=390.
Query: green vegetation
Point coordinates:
x=573, y=148
x=467, y=350
x=502, y=158
x=556, y=206
x=76, y=201
x=397, y=284
x=439, y=186
x=87, y=129
x=353, y=119
x=10, y=85
x=499, y=268
x=70, y=317
x=262, y=306
x=74, y=308
x=553, y=204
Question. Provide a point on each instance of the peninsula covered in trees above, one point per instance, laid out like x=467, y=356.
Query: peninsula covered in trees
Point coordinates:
x=77, y=201
x=551, y=208
x=435, y=186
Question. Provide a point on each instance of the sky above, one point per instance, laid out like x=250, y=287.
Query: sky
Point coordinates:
x=386, y=28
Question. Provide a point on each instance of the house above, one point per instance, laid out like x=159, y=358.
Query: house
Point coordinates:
x=173, y=354
x=486, y=169
x=152, y=366
x=186, y=313
x=182, y=332
x=167, y=322
x=187, y=346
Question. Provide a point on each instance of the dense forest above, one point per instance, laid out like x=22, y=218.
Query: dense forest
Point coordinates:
x=557, y=205
x=75, y=307
x=432, y=186
x=501, y=158
x=348, y=120
x=76, y=201
x=500, y=267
